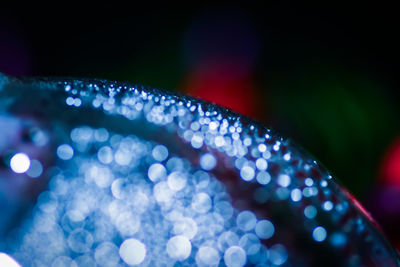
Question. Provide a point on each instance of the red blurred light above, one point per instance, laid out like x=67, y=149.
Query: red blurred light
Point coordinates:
x=390, y=171
x=224, y=83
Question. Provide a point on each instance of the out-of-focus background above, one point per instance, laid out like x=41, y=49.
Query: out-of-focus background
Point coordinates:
x=324, y=75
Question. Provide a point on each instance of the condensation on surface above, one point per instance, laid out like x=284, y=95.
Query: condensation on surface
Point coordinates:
x=149, y=178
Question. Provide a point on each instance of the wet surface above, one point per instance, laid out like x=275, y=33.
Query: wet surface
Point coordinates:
x=104, y=173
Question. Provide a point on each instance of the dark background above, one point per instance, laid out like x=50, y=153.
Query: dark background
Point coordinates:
x=324, y=74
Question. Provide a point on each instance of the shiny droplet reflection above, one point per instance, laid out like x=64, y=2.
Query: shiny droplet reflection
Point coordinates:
x=111, y=174
x=20, y=163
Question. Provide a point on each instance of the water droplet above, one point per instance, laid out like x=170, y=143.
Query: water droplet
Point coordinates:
x=179, y=247
x=247, y=173
x=132, y=251
x=261, y=164
x=8, y=261
x=157, y=172
x=65, y=152
x=207, y=256
x=35, y=169
x=160, y=153
x=310, y=212
x=106, y=254
x=20, y=163
x=284, y=180
x=177, y=181
x=235, y=257
x=105, y=155
x=264, y=229
x=201, y=203
x=246, y=220
x=319, y=234
x=80, y=241
x=127, y=224
x=278, y=254
x=296, y=195
x=327, y=205
x=226, y=240
x=263, y=178
x=208, y=162
x=186, y=227
x=250, y=243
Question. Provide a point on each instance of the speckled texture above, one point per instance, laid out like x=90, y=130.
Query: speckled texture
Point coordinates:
x=119, y=174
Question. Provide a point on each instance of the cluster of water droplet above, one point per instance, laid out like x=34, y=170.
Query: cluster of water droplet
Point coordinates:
x=131, y=199
x=194, y=185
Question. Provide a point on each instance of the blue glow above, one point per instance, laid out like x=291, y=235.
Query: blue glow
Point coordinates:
x=319, y=234
x=264, y=229
x=65, y=152
x=20, y=163
x=118, y=195
x=246, y=220
x=328, y=205
x=263, y=178
x=310, y=212
x=278, y=254
x=208, y=162
x=338, y=239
